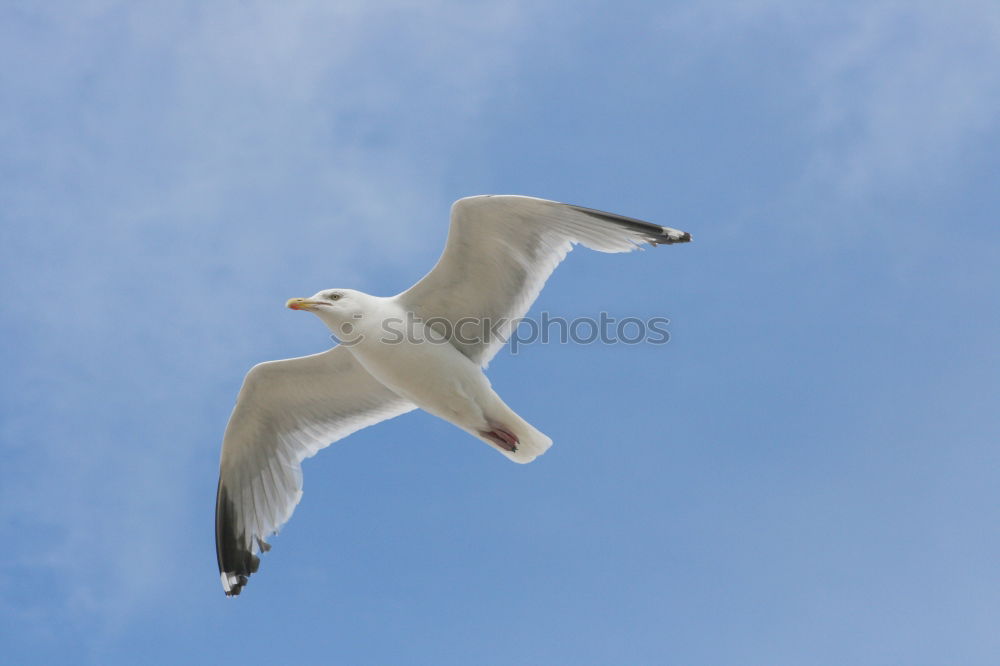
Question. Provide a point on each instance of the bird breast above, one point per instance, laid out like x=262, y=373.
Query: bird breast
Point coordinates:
x=421, y=366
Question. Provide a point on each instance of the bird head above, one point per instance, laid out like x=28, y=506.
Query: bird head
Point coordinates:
x=336, y=307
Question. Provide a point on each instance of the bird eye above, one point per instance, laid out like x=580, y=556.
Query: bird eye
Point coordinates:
x=334, y=297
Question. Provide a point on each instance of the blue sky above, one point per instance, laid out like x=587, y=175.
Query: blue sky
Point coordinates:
x=806, y=474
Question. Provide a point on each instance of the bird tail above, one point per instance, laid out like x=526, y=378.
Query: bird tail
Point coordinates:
x=531, y=442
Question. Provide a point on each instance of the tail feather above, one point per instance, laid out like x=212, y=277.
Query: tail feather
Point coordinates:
x=532, y=444
x=531, y=441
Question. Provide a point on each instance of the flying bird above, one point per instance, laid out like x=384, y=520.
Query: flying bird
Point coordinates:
x=426, y=347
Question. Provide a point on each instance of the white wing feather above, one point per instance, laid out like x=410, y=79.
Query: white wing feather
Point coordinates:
x=286, y=411
x=500, y=251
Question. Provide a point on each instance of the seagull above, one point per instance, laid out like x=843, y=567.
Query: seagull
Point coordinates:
x=424, y=348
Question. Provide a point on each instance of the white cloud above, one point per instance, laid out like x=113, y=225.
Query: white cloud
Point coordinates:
x=161, y=160
x=166, y=156
x=896, y=93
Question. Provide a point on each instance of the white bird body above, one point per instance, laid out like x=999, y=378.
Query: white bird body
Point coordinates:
x=400, y=353
x=419, y=364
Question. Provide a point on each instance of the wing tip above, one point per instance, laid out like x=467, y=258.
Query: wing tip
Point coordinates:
x=232, y=583
x=236, y=558
x=653, y=234
x=671, y=236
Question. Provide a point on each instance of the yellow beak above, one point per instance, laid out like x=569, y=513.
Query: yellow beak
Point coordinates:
x=301, y=304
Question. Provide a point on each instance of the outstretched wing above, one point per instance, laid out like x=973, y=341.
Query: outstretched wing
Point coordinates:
x=286, y=411
x=500, y=251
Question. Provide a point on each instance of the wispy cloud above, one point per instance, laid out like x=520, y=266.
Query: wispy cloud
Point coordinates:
x=163, y=160
x=171, y=173
x=892, y=93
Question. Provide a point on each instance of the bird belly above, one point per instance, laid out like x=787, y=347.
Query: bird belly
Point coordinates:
x=433, y=375
x=442, y=381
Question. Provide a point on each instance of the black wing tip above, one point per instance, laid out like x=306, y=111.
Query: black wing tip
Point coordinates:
x=236, y=560
x=671, y=236
x=653, y=233
x=233, y=589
